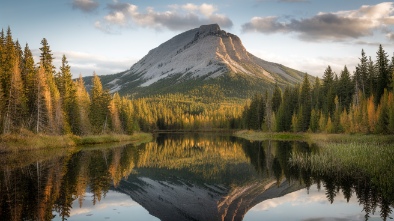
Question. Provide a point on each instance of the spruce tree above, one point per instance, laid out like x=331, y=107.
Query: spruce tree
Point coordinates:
x=305, y=105
x=383, y=79
x=361, y=74
x=99, y=112
x=29, y=75
x=67, y=91
x=345, y=89
x=46, y=57
x=317, y=95
x=372, y=77
x=276, y=98
x=328, y=91
x=83, y=105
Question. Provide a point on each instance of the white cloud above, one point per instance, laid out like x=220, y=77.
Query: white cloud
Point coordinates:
x=390, y=36
x=178, y=17
x=334, y=26
x=86, y=63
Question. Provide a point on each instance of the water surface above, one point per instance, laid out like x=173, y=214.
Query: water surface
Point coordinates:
x=186, y=177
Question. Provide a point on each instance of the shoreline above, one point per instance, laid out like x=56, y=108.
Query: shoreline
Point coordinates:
x=27, y=141
x=314, y=137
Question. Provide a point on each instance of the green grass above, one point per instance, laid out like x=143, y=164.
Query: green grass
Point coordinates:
x=260, y=136
x=26, y=140
x=320, y=139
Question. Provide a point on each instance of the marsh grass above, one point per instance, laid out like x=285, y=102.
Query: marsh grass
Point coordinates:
x=26, y=140
x=260, y=136
x=318, y=138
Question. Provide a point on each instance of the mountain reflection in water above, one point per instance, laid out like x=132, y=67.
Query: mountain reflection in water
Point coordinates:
x=177, y=177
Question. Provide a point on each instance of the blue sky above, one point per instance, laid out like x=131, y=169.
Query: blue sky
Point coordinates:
x=109, y=36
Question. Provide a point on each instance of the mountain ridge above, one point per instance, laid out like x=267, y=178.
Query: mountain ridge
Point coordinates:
x=202, y=56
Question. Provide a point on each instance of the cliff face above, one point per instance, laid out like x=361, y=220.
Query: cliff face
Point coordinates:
x=204, y=53
x=182, y=200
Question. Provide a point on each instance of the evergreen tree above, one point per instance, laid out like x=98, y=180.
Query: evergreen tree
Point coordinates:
x=46, y=57
x=305, y=104
x=9, y=56
x=29, y=75
x=382, y=123
x=83, y=105
x=361, y=74
x=287, y=109
x=317, y=95
x=328, y=91
x=255, y=113
x=276, y=98
x=345, y=89
x=314, y=122
x=57, y=121
x=372, y=77
x=383, y=79
x=43, y=103
x=68, y=91
x=114, y=109
x=99, y=106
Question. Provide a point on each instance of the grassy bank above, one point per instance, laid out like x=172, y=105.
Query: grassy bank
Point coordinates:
x=29, y=141
x=259, y=136
x=317, y=138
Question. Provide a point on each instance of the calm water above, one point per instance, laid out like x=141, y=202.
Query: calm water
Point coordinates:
x=184, y=177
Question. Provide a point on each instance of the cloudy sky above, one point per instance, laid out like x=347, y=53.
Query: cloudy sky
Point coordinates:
x=109, y=36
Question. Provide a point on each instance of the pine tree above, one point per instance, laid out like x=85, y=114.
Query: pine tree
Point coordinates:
x=305, y=104
x=83, y=104
x=345, y=89
x=255, y=113
x=361, y=74
x=316, y=95
x=16, y=106
x=9, y=56
x=328, y=91
x=46, y=57
x=114, y=106
x=314, y=122
x=372, y=77
x=383, y=79
x=29, y=75
x=276, y=98
x=43, y=103
x=57, y=121
x=68, y=91
x=382, y=123
x=99, y=112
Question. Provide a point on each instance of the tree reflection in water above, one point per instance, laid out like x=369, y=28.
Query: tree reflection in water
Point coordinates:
x=236, y=174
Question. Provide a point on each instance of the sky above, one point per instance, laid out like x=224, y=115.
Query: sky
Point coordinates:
x=109, y=36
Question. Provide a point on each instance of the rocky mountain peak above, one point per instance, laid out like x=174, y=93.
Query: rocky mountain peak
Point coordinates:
x=203, y=53
x=213, y=28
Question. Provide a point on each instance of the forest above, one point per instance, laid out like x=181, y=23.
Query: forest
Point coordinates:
x=40, y=98
x=359, y=103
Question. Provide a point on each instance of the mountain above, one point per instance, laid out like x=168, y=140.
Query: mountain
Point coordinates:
x=182, y=200
x=199, y=57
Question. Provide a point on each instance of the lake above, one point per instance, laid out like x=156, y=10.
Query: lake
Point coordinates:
x=190, y=177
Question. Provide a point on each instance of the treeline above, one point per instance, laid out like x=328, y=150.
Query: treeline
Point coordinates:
x=187, y=112
x=358, y=103
x=36, y=97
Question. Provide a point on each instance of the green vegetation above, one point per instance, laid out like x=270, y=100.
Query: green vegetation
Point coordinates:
x=358, y=104
x=38, y=98
x=261, y=136
x=318, y=138
x=365, y=168
x=26, y=140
